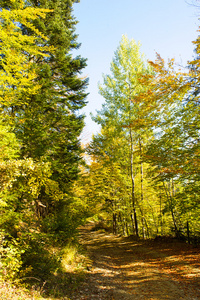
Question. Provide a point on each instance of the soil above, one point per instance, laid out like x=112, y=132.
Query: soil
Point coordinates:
x=126, y=268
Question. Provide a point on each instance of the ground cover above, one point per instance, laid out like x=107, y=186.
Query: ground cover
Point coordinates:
x=127, y=268
x=121, y=268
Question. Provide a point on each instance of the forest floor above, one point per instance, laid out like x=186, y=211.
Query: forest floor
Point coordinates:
x=123, y=268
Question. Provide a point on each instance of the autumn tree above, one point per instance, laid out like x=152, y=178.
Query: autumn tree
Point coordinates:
x=48, y=123
x=123, y=108
x=21, y=178
x=108, y=152
x=175, y=149
x=156, y=111
x=17, y=71
x=41, y=94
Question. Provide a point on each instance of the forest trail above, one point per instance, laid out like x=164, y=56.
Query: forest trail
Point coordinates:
x=124, y=268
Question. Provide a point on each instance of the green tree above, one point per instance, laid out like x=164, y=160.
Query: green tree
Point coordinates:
x=109, y=153
x=175, y=150
x=21, y=179
x=49, y=122
x=41, y=94
x=122, y=108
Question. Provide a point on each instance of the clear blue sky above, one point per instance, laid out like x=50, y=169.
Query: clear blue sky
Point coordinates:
x=164, y=26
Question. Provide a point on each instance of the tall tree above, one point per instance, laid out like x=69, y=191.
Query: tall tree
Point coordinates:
x=21, y=178
x=109, y=153
x=121, y=109
x=17, y=72
x=175, y=149
x=49, y=123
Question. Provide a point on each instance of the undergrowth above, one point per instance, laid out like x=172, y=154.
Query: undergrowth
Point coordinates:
x=53, y=273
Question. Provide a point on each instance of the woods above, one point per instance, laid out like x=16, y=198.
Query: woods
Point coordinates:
x=42, y=93
x=149, y=143
x=142, y=171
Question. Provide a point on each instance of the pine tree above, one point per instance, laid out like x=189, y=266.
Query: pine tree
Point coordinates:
x=42, y=96
x=21, y=178
x=49, y=124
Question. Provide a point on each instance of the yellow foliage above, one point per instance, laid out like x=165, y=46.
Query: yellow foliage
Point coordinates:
x=17, y=69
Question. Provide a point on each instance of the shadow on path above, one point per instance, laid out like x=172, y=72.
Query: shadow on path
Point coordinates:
x=123, y=268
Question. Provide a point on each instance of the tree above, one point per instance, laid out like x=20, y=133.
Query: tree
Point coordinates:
x=17, y=73
x=41, y=94
x=175, y=150
x=110, y=165
x=48, y=123
x=122, y=108
x=155, y=114
x=21, y=179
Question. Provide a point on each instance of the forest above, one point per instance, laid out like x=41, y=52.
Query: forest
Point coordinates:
x=139, y=176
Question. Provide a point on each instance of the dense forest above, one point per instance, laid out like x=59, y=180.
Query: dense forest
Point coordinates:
x=42, y=93
x=145, y=161
x=140, y=174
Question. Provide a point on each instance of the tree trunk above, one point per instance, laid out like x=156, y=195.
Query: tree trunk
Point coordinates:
x=141, y=188
x=133, y=187
x=114, y=223
x=161, y=218
x=169, y=197
x=188, y=233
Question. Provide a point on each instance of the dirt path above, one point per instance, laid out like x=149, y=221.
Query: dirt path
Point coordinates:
x=122, y=268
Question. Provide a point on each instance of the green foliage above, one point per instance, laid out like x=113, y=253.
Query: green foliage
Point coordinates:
x=8, y=143
x=41, y=94
x=10, y=256
x=150, y=132
x=38, y=261
x=125, y=119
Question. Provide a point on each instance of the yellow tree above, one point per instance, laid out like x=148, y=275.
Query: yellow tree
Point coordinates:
x=20, y=179
x=175, y=149
x=16, y=70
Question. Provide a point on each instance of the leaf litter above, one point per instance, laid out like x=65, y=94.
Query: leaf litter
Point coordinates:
x=122, y=268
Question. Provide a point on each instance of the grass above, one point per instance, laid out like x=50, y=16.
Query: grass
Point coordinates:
x=58, y=285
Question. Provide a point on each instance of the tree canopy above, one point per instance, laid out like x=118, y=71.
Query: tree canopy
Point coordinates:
x=153, y=107
x=41, y=96
x=142, y=175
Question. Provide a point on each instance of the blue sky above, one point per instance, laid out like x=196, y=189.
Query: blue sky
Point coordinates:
x=164, y=26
